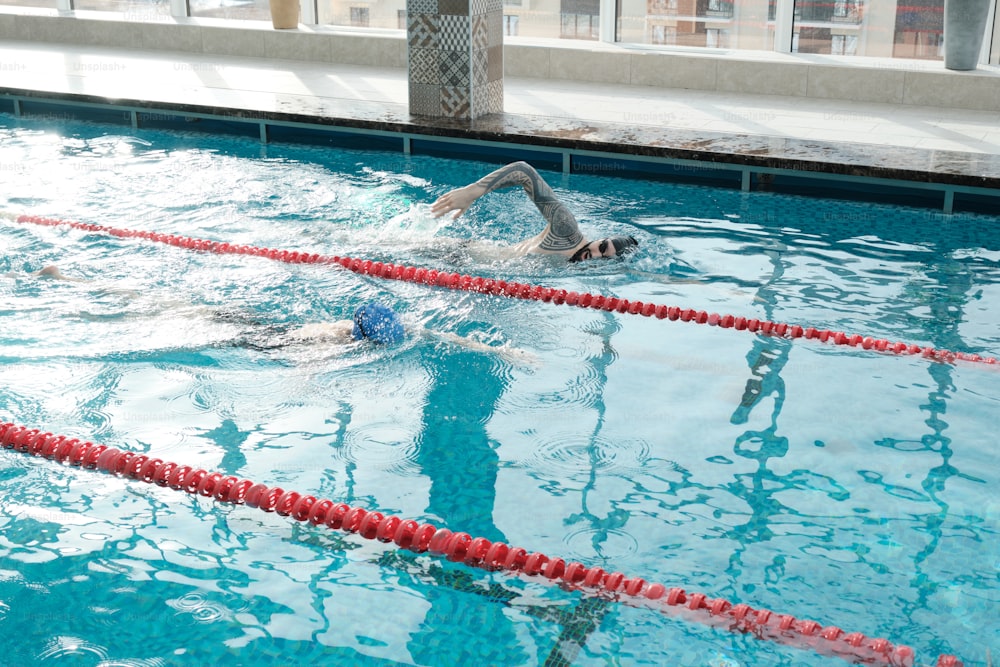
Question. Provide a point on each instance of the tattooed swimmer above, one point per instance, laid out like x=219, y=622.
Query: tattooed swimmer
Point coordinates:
x=561, y=235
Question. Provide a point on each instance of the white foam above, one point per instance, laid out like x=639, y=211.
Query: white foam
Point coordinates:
x=415, y=224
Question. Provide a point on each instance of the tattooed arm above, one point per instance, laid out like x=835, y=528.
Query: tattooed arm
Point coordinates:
x=562, y=232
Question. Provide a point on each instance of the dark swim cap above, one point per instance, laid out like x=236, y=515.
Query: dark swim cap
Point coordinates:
x=623, y=245
x=378, y=323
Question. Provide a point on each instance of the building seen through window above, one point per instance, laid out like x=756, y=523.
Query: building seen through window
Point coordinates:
x=866, y=28
x=881, y=28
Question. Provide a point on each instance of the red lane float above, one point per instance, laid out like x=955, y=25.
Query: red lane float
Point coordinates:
x=462, y=547
x=533, y=292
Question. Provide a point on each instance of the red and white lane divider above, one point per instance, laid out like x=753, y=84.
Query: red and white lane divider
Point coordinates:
x=462, y=547
x=526, y=291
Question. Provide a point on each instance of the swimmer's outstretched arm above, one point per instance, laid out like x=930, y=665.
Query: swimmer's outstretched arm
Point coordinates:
x=512, y=354
x=561, y=234
x=52, y=271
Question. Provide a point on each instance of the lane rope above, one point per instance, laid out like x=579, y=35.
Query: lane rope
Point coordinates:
x=525, y=291
x=462, y=547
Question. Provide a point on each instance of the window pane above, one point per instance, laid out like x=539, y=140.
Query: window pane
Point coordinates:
x=869, y=28
x=995, y=52
x=246, y=10
x=510, y=26
x=567, y=19
x=137, y=10
x=727, y=24
x=360, y=14
x=29, y=3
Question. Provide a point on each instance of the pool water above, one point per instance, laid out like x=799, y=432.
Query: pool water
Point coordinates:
x=849, y=487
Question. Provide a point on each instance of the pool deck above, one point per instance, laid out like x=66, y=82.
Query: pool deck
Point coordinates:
x=936, y=147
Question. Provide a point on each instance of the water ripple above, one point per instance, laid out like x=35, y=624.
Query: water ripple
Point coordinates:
x=381, y=446
x=565, y=453
x=66, y=646
x=198, y=607
x=611, y=544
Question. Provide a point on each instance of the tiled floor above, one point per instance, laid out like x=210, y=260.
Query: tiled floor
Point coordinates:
x=880, y=137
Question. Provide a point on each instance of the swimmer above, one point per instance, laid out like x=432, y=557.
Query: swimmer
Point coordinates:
x=373, y=322
x=561, y=236
x=53, y=273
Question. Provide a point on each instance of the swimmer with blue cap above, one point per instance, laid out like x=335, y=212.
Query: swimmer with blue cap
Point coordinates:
x=377, y=323
x=372, y=321
x=381, y=325
x=561, y=236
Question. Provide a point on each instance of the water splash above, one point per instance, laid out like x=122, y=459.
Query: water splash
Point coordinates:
x=417, y=223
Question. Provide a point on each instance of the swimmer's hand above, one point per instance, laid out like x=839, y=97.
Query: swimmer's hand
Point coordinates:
x=53, y=273
x=458, y=200
x=506, y=351
x=516, y=355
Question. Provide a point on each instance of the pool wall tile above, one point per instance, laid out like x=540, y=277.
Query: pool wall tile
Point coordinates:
x=373, y=50
x=100, y=31
x=326, y=137
x=226, y=42
x=308, y=45
x=647, y=69
x=498, y=154
x=675, y=172
x=54, y=111
x=976, y=203
x=940, y=89
x=528, y=61
x=170, y=35
x=887, y=193
x=883, y=86
x=750, y=77
x=595, y=65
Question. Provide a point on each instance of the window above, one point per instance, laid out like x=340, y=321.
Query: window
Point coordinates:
x=929, y=45
x=579, y=19
x=687, y=23
x=136, y=10
x=837, y=43
x=359, y=17
x=722, y=8
x=661, y=7
x=580, y=26
x=510, y=25
x=258, y=10
x=663, y=34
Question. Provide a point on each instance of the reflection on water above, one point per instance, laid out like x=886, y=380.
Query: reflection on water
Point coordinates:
x=829, y=483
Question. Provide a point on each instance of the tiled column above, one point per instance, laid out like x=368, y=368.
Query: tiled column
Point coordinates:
x=455, y=57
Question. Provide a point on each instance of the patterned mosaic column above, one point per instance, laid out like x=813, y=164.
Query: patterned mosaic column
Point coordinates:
x=455, y=57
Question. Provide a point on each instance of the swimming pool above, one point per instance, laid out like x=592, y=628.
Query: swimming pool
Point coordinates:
x=830, y=483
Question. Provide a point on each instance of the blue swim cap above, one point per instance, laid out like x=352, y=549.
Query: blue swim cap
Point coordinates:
x=378, y=323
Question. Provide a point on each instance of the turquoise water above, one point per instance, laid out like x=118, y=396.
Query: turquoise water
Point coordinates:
x=833, y=484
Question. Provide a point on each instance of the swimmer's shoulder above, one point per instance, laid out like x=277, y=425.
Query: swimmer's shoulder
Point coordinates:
x=338, y=331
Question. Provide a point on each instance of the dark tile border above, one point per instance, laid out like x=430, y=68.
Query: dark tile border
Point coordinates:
x=918, y=177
